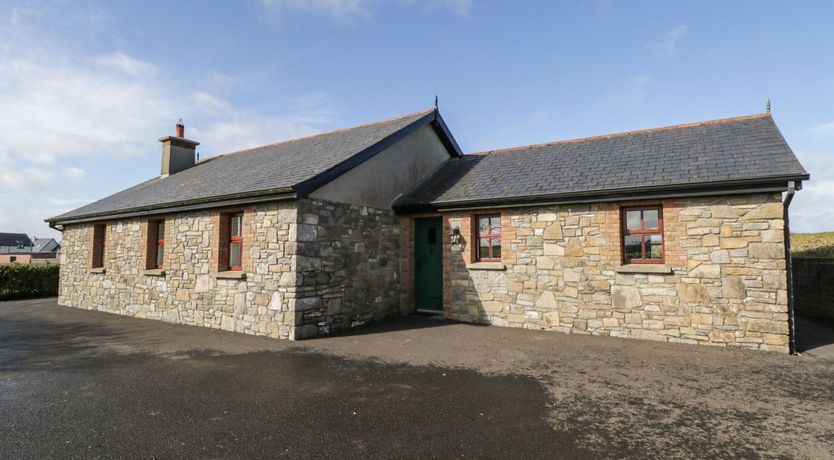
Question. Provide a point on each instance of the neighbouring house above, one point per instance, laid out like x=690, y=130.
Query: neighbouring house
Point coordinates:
x=675, y=234
x=46, y=246
x=14, y=243
x=20, y=249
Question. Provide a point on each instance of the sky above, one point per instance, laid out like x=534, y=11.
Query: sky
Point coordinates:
x=87, y=87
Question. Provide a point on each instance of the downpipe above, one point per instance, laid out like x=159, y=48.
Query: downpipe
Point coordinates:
x=789, y=267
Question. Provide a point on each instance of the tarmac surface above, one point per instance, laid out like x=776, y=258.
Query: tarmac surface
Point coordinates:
x=76, y=383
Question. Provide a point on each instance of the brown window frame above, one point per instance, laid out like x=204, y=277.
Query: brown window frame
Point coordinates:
x=99, y=246
x=642, y=232
x=155, y=242
x=488, y=236
x=234, y=239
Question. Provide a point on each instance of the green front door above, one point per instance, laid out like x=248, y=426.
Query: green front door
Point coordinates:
x=428, y=264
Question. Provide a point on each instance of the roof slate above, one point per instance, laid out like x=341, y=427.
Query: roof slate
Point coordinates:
x=12, y=239
x=733, y=149
x=270, y=167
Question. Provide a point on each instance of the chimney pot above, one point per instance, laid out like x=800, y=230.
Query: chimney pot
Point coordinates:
x=180, y=129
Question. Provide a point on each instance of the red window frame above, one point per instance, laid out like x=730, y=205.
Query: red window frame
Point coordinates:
x=160, y=244
x=642, y=232
x=236, y=239
x=488, y=236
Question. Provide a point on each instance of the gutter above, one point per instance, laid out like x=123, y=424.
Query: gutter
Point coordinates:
x=789, y=267
x=741, y=186
x=233, y=200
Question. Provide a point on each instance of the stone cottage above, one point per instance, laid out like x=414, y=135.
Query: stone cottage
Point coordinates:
x=675, y=234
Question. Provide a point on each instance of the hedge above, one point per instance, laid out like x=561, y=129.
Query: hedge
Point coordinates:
x=18, y=281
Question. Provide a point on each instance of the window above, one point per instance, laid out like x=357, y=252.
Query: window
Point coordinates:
x=235, y=241
x=643, y=235
x=160, y=244
x=155, y=257
x=489, y=238
x=99, y=245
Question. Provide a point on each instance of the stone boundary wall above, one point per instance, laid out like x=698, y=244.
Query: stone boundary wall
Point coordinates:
x=348, y=266
x=727, y=286
x=189, y=291
x=813, y=280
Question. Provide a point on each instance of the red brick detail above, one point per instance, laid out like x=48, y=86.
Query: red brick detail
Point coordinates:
x=221, y=235
x=673, y=229
x=407, y=265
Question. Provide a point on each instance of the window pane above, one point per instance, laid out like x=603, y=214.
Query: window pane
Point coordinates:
x=234, y=255
x=483, y=225
x=632, y=247
x=654, y=247
x=160, y=255
x=633, y=220
x=236, y=225
x=650, y=218
x=160, y=231
x=495, y=224
x=496, y=248
x=483, y=248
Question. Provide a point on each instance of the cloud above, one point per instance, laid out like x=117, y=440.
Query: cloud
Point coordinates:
x=823, y=129
x=354, y=11
x=811, y=210
x=667, y=46
x=126, y=64
x=66, y=103
x=30, y=179
x=74, y=173
x=64, y=108
x=632, y=90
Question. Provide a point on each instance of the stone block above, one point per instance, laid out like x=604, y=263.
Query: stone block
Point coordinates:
x=544, y=262
x=574, y=248
x=553, y=249
x=764, y=211
x=720, y=257
x=625, y=297
x=733, y=243
x=766, y=251
x=732, y=287
x=710, y=240
x=692, y=293
x=705, y=271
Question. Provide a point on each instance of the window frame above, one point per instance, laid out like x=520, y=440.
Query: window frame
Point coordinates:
x=99, y=249
x=642, y=232
x=234, y=239
x=489, y=237
x=159, y=243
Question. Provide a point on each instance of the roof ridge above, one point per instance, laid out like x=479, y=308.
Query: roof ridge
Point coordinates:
x=311, y=136
x=696, y=124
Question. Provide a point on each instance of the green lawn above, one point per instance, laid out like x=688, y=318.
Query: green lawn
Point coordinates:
x=812, y=244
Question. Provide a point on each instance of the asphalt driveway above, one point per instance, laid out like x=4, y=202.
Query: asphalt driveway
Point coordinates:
x=76, y=383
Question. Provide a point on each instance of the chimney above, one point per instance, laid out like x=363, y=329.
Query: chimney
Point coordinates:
x=177, y=152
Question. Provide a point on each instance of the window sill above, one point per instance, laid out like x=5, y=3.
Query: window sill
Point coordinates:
x=154, y=272
x=230, y=275
x=98, y=270
x=657, y=269
x=486, y=266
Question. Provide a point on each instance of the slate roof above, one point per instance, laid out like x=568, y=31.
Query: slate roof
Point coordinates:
x=280, y=167
x=12, y=239
x=712, y=152
x=45, y=245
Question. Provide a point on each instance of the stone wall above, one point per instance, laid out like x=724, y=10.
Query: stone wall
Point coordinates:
x=726, y=286
x=190, y=290
x=348, y=266
x=814, y=287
